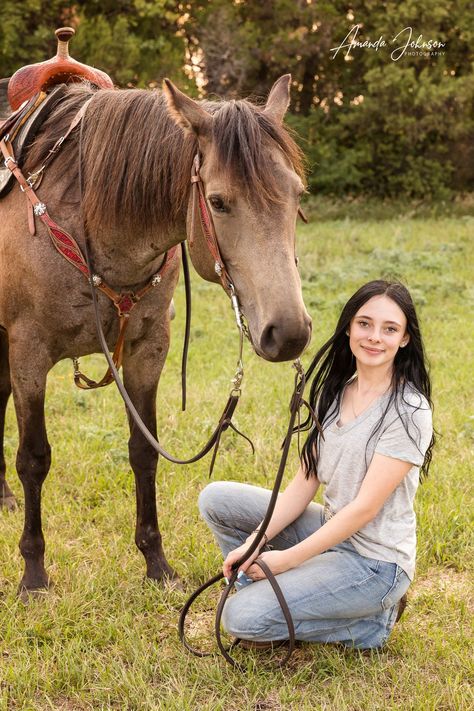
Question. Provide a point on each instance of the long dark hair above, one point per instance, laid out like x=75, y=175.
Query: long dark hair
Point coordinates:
x=334, y=365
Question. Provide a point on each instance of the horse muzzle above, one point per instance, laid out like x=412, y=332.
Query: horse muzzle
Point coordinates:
x=283, y=341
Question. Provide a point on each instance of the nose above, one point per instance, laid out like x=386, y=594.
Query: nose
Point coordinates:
x=374, y=337
x=285, y=341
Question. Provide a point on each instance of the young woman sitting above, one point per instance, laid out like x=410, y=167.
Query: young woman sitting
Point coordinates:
x=345, y=566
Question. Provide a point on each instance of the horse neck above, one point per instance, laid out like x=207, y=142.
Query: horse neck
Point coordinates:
x=137, y=170
x=135, y=211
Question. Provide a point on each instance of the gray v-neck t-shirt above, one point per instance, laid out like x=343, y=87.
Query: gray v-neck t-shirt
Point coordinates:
x=345, y=455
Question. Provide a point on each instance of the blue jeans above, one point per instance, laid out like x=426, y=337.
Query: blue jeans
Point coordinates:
x=337, y=596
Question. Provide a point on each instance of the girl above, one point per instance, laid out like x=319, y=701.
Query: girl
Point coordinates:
x=343, y=567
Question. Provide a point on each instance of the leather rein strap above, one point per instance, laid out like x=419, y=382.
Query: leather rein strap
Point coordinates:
x=225, y=420
x=295, y=405
x=124, y=302
x=67, y=246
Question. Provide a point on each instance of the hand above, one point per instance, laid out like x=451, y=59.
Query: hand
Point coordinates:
x=237, y=554
x=277, y=561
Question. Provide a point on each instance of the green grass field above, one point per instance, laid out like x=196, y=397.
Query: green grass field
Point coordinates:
x=105, y=638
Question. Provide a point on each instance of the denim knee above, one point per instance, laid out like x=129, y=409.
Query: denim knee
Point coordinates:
x=242, y=620
x=210, y=498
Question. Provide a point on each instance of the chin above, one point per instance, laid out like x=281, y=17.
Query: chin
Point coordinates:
x=372, y=359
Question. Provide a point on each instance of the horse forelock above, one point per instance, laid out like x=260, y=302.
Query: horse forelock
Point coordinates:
x=136, y=161
x=241, y=135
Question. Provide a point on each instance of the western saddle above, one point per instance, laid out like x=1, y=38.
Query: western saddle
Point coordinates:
x=29, y=96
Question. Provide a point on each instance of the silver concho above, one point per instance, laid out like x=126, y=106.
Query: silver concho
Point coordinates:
x=96, y=280
x=156, y=280
x=39, y=209
x=218, y=268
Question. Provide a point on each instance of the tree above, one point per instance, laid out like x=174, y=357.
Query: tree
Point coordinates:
x=368, y=123
x=137, y=42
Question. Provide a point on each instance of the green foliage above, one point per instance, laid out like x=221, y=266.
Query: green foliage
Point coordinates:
x=412, y=131
x=369, y=125
x=137, y=42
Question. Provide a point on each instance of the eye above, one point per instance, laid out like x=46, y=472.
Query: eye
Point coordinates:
x=391, y=329
x=362, y=323
x=218, y=204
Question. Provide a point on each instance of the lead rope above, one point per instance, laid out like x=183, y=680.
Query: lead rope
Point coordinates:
x=225, y=420
x=295, y=404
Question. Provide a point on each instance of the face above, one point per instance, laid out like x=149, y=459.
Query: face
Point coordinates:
x=257, y=247
x=259, y=253
x=377, y=331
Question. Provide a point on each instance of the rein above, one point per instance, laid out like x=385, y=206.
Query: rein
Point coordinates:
x=295, y=405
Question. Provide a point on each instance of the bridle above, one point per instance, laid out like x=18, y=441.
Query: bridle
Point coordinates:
x=124, y=302
x=208, y=230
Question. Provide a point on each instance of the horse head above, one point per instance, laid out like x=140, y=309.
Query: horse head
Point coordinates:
x=252, y=178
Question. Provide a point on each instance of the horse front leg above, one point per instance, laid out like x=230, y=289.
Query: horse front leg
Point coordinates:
x=141, y=376
x=29, y=369
x=7, y=499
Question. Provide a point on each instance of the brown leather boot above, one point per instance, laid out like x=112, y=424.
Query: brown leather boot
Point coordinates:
x=257, y=644
x=401, y=607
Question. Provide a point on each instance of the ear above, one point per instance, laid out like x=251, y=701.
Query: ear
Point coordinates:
x=186, y=112
x=405, y=340
x=279, y=98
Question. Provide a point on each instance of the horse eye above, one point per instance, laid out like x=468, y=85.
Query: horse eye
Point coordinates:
x=218, y=203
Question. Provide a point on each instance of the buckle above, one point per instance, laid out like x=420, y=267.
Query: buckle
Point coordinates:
x=7, y=161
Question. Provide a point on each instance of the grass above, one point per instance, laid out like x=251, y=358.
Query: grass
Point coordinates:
x=105, y=638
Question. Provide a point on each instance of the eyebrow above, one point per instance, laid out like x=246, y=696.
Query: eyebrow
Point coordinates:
x=371, y=319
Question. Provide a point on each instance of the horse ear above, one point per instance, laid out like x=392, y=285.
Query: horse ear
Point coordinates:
x=186, y=112
x=279, y=98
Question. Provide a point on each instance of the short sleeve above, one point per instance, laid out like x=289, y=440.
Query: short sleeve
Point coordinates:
x=408, y=435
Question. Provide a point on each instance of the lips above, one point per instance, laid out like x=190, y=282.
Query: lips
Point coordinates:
x=372, y=350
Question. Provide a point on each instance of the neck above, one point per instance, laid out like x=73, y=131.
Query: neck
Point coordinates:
x=373, y=380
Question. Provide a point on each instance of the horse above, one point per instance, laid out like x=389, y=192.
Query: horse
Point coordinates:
x=133, y=201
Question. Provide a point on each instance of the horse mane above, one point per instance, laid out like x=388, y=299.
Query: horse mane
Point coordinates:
x=137, y=162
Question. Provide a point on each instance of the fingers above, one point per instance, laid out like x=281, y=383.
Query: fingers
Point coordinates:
x=227, y=569
x=255, y=573
x=233, y=557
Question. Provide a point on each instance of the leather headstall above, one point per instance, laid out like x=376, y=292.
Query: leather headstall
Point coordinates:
x=207, y=224
x=199, y=204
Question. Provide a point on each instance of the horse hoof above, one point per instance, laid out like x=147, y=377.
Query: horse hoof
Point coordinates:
x=8, y=503
x=27, y=595
x=26, y=592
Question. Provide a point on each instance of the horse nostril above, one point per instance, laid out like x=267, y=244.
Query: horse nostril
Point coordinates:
x=268, y=341
x=283, y=343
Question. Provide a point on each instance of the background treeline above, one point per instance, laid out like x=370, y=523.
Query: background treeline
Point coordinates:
x=368, y=125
